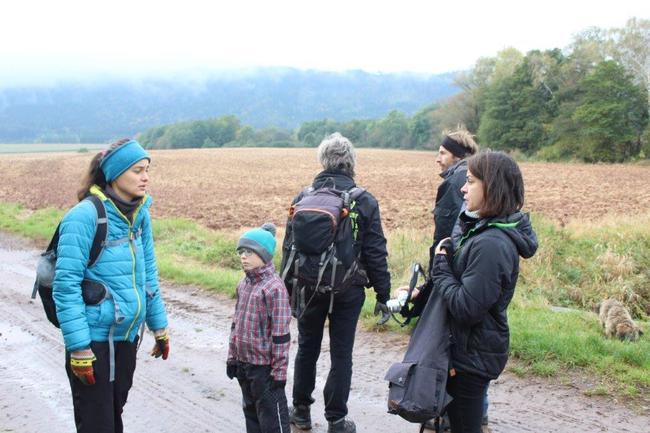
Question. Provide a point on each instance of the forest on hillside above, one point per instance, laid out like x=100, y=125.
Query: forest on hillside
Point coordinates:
x=588, y=101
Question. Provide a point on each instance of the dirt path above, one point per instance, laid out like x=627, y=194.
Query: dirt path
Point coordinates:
x=190, y=392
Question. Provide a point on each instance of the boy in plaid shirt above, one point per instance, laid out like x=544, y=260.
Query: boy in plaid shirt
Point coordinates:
x=258, y=354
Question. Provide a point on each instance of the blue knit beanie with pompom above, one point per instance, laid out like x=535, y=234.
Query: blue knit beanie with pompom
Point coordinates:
x=261, y=240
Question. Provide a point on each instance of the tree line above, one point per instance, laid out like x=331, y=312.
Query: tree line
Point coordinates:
x=588, y=102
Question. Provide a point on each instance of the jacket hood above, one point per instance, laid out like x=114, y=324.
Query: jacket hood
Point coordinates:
x=518, y=228
x=336, y=179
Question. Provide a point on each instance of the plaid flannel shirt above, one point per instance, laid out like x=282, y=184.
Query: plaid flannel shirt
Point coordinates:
x=260, y=328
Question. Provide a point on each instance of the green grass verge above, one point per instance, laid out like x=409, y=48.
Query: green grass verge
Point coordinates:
x=552, y=342
x=38, y=225
x=576, y=267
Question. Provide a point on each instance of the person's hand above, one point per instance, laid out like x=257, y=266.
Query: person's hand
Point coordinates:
x=161, y=346
x=380, y=307
x=231, y=369
x=399, y=289
x=414, y=293
x=81, y=364
x=444, y=246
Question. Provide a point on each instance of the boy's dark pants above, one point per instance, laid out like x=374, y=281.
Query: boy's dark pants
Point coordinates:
x=265, y=407
x=98, y=407
x=342, y=328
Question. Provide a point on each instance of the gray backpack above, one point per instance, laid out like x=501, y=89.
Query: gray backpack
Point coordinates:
x=92, y=292
x=417, y=385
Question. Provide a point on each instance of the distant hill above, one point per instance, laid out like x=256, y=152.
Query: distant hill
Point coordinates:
x=278, y=97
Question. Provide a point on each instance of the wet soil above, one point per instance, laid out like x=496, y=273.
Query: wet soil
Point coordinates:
x=191, y=393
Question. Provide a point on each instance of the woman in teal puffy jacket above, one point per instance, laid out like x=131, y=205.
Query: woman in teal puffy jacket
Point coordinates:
x=101, y=335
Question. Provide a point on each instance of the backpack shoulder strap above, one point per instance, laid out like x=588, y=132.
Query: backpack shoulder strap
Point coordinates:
x=54, y=242
x=356, y=192
x=351, y=195
x=101, y=232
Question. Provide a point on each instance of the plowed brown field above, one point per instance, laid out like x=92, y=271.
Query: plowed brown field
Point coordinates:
x=241, y=187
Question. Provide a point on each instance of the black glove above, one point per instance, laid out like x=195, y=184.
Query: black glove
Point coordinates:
x=231, y=369
x=380, y=307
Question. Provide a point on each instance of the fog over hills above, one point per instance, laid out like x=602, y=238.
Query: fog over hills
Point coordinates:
x=98, y=111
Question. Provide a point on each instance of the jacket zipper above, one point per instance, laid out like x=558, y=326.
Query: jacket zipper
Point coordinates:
x=131, y=240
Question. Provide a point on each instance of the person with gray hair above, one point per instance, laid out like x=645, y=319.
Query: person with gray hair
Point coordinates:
x=340, y=304
x=337, y=153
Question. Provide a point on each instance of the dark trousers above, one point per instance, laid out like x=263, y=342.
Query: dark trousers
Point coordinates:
x=466, y=409
x=342, y=327
x=98, y=407
x=265, y=407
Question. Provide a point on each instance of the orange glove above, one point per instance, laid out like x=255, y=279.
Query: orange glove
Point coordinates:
x=161, y=347
x=81, y=364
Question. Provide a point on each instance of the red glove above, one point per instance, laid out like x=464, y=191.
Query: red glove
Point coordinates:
x=81, y=364
x=161, y=347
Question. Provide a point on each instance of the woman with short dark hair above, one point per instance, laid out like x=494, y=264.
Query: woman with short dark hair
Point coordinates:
x=477, y=280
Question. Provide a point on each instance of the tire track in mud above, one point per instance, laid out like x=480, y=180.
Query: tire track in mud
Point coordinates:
x=190, y=392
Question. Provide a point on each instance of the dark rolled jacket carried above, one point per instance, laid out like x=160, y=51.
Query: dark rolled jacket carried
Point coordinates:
x=370, y=244
x=477, y=286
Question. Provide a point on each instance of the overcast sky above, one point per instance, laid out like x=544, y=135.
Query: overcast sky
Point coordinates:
x=46, y=40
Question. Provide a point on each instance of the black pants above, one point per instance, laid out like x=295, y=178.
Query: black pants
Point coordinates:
x=265, y=407
x=342, y=327
x=466, y=409
x=98, y=407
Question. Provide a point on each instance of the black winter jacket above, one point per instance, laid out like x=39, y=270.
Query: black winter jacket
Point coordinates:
x=478, y=285
x=371, y=243
x=449, y=200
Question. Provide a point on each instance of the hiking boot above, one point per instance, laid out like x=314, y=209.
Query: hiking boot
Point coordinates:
x=484, y=421
x=341, y=426
x=300, y=416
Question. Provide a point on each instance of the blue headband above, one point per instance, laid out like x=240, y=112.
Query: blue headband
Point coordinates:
x=119, y=160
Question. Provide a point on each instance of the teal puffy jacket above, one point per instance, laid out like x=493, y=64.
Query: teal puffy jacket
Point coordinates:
x=126, y=267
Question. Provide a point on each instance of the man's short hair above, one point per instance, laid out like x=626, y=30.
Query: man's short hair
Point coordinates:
x=463, y=138
x=337, y=153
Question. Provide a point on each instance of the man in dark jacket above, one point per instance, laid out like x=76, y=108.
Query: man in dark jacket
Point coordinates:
x=455, y=147
x=336, y=155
